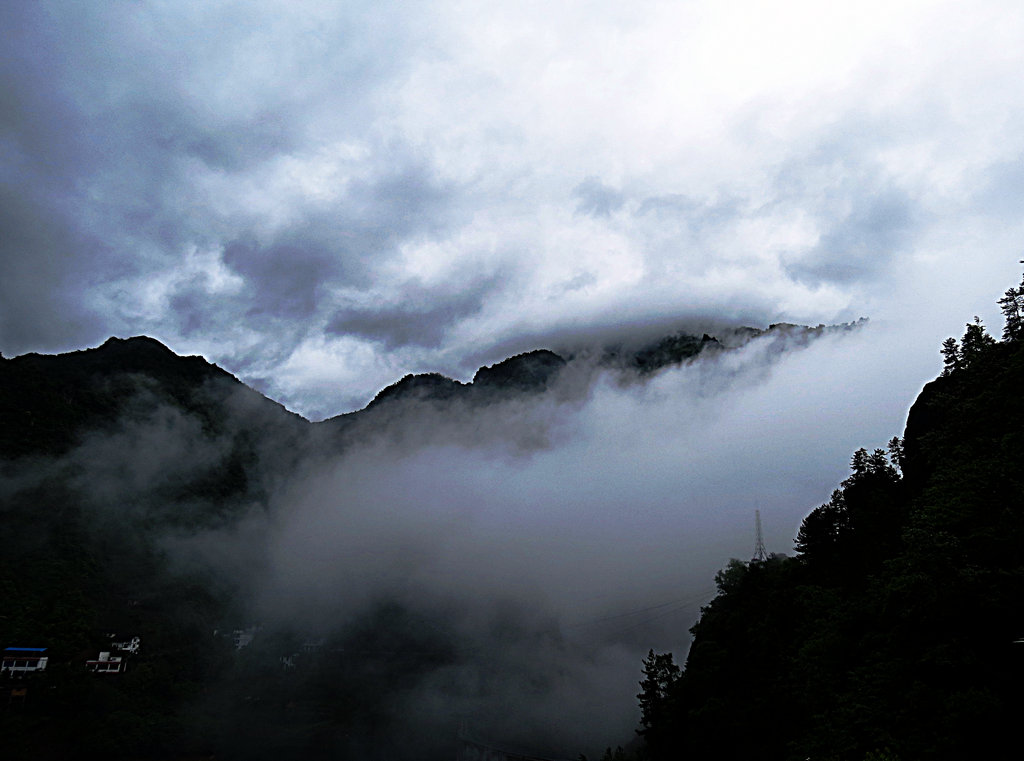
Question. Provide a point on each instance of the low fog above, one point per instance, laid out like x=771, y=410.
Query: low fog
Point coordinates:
x=536, y=546
x=544, y=542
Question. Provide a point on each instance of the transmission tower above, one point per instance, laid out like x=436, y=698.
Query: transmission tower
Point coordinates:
x=760, y=553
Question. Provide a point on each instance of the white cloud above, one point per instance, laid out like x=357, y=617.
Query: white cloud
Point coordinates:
x=745, y=149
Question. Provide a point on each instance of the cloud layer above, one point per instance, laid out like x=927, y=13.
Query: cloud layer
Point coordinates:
x=323, y=198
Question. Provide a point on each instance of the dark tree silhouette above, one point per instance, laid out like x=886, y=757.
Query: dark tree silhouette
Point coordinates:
x=951, y=358
x=976, y=339
x=895, y=633
x=1012, y=306
x=660, y=676
x=821, y=530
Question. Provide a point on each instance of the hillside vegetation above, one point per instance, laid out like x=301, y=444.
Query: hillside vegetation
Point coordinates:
x=897, y=632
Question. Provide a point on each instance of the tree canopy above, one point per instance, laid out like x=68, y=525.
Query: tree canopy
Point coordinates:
x=893, y=632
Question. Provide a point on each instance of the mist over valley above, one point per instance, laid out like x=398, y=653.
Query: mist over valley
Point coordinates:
x=501, y=553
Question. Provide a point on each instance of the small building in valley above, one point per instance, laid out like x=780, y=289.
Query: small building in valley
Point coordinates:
x=128, y=645
x=23, y=661
x=115, y=660
x=107, y=664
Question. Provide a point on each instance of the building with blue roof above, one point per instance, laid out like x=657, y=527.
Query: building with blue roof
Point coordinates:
x=22, y=661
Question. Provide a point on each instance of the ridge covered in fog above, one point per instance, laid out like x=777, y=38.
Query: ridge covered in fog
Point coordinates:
x=47, y=397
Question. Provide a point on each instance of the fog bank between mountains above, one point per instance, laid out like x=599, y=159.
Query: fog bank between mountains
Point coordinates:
x=588, y=520
x=626, y=492
x=504, y=560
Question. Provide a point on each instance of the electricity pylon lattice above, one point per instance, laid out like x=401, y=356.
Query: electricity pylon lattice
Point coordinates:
x=760, y=553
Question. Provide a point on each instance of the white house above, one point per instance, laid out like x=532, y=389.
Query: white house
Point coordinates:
x=130, y=646
x=107, y=664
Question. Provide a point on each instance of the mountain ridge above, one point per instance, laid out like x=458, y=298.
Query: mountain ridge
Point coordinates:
x=47, y=399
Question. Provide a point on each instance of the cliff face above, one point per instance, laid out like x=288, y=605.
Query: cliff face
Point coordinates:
x=894, y=630
x=973, y=414
x=964, y=473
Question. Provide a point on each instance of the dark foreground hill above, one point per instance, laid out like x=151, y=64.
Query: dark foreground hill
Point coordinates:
x=898, y=630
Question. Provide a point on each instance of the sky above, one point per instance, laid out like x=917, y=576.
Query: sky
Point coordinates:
x=322, y=197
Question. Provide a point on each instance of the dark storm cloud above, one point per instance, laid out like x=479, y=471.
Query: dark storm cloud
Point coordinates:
x=40, y=272
x=283, y=279
x=44, y=256
x=237, y=177
x=165, y=124
x=403, y=198
x=111, y=117
x=419, y=316
x=867, y=216
x=290, y=279
x=189, y=305
x=597, y=199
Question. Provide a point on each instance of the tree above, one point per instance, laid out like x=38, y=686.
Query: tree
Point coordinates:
x=952, y=360
x=866, y=465
x=728, y=579
x=1012, y=306
x=878, y=465
x=660, y=675
x=821, y=530
x=860, y=463
x=976, y=339
x=896, y=455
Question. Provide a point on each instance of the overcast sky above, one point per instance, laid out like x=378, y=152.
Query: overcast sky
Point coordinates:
x=321, y=197
x=324, y=196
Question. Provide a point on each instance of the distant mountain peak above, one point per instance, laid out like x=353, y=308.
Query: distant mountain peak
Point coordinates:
x=134, y=341
x=419, y=387
x=531, y=371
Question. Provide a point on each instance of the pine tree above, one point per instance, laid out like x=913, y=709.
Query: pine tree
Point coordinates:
x=976, y=339
x=1012, y=306
x=896, y=453
x=952, y=360
x=823, y=528
x=660, y=676
x=860, y=463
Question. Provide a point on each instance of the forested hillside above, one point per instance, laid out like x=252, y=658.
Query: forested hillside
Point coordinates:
x=897, y=632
